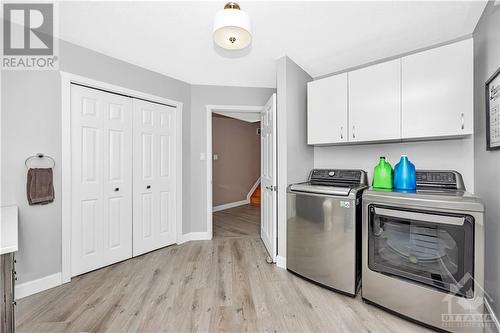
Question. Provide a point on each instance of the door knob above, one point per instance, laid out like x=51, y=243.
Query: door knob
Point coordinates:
x=148, y=187
x=117, y=189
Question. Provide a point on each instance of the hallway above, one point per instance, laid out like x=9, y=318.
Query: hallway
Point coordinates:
x=242, y=221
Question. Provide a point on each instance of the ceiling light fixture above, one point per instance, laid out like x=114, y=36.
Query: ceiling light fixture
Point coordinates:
x=232, y=29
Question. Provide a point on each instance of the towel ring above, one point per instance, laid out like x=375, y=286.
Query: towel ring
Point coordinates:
x=39, y=156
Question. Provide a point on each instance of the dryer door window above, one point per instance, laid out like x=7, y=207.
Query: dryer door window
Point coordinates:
x=428, y=248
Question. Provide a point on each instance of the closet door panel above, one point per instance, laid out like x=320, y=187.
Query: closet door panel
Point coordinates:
x=118, y=177
x=154, y=176
x=101, y=139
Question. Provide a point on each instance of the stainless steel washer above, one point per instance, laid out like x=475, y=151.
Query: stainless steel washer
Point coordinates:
x=324, y=228
x=423, y=252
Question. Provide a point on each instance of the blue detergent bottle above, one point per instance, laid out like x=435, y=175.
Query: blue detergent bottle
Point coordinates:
x=405, y=176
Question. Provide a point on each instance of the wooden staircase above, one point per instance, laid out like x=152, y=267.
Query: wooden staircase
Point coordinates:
x=255, y=198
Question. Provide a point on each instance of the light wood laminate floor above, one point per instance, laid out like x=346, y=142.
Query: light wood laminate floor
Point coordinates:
x=223, y=285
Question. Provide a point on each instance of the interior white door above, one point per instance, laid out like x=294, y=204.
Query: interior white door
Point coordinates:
x=101, y=140
x=154, y=176
x=268, y=214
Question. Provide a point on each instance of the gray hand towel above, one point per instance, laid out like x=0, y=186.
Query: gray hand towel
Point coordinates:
x=40, y=187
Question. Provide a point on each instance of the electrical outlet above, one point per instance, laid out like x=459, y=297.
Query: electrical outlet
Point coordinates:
x=216, y=157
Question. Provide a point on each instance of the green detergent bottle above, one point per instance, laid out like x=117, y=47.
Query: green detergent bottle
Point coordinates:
x=382, y=175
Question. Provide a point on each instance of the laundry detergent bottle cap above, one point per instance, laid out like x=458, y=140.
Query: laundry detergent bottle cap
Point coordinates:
x=382, y=174
x=405, y=176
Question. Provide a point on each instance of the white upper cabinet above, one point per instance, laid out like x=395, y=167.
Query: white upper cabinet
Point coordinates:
x=327, y=110
x=437, y=92
x=421, y=96
x=375, y=102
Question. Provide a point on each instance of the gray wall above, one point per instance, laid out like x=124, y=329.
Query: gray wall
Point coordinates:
x=200, y=97
x=31, y=123
x=445, y=154
x=237, y=167
x=487, y=164
x=292, y=133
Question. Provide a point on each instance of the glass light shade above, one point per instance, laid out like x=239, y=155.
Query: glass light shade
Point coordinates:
x=232, y=29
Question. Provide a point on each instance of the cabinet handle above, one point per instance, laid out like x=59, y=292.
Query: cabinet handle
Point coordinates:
x=341, y=132
x=354, y=132
x=463, y=121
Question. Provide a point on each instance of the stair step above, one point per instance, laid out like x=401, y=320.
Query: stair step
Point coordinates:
x=255, y=198
x=255, y=201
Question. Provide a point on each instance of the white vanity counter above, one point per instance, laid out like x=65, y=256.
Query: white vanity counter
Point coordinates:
x=8, y=229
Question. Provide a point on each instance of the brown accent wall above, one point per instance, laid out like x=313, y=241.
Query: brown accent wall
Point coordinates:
x=238, y=165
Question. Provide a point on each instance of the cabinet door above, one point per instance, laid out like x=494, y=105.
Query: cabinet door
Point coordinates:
x=437, y=92
x=375, y=102
x=327, y=110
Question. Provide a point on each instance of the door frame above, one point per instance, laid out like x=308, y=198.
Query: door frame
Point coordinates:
x=209, y=157
x=66, y=189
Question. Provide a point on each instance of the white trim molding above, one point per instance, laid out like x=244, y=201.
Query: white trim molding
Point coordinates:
x=230, y=205
x=194, y=236
x=492, y=314
x=209, y=155
x=66, y=80
x=32, y=287
x=281, y=261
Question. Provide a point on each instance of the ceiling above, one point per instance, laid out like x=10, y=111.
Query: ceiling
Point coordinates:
x=175, y=38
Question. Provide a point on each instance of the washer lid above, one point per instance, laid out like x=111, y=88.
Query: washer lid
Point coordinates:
x=321, y=189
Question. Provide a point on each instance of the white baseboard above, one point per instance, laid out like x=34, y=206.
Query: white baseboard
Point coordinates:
x=492, y=314
x=281, y=262
x=231, y=205
x=38, y=285
x=254, y=187
x=192, y=236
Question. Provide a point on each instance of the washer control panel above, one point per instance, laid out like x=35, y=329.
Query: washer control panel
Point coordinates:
x=337, y=176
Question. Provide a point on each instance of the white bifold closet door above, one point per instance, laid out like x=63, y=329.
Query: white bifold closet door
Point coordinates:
x=101, y=167
x=154, y=176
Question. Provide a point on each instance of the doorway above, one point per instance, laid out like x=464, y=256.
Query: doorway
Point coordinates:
x=241, y=191
x=236, y=173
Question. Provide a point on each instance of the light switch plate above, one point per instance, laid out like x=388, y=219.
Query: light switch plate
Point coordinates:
x=216, y=157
